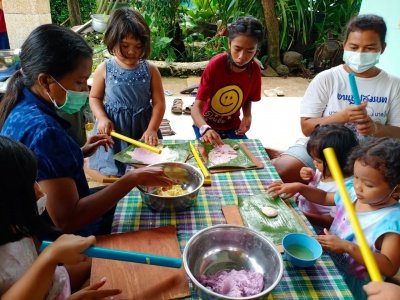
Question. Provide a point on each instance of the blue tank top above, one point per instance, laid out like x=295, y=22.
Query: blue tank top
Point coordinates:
x=127, y=89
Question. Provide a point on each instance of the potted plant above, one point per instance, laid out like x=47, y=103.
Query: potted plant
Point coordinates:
x=104, y=7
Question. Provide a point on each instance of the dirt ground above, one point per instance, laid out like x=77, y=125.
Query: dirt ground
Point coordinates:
x=290, y=86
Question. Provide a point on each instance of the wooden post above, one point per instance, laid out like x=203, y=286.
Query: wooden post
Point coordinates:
x=74, y=12
x=272, y=25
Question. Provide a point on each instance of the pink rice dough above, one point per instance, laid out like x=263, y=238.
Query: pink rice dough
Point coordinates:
x=222, y=154
x=234, y=283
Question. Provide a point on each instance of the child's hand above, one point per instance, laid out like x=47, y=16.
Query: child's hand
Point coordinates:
x=96, y=141
x=93, y=292
x=244, y=126
x=212, y=137
x=150, y=137
x=306, y=173
x=67, y=249
x=283, y=190
x=105, y=126
x=382, y=291
x=330, y=242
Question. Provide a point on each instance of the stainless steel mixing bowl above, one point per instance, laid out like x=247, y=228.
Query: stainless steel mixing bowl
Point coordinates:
x=227, y=247
x=192, y=184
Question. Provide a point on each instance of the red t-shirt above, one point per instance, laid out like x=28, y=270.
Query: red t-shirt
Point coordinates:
x=224, y=91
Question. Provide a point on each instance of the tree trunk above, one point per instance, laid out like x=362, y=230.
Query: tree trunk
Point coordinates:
x=74, y=12
x=272, y=25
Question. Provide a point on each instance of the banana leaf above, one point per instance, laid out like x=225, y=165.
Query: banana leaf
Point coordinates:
x=274, y=228
x=241, y=160
x=170, y=152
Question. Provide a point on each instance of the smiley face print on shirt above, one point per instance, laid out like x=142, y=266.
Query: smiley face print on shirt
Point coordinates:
x=225, y=102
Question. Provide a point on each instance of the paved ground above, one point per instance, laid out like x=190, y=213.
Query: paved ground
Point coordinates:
x=275, y=119
x=291, y=86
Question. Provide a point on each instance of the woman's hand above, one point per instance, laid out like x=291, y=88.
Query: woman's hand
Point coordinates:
x=212, y=137
x=332, y=243
x=104, y=126
x=355, y=113
x=283, y=190
x=151, y=176
x=306, y=174
x=367, y=128
x=150, y=137
x=93, y=292
x=244, y=126
x=68, y=248
x=96, y=141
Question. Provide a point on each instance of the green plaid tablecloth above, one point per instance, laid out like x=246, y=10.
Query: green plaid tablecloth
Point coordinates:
x=322, y=281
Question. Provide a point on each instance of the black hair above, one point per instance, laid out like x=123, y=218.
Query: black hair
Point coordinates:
x=367, y=22
x=124, y=22
x=248, y=26
x=49, y=49
x=382, y=154
x=19, y=215
x=341, y=138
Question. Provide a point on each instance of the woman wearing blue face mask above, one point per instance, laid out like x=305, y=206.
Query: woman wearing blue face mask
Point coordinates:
x=328, y=98
x=55, y=65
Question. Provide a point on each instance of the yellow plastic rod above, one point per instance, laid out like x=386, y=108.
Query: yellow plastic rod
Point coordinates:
x=199, y=162
x=135, y=142
x=366, y=252
x=110, y=179
x=207, y=181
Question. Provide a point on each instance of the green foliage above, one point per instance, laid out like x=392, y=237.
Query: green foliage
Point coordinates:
x=333, y=17
x=161, y=14
x=107, y=6
x=205, y=48
x=59, y=10
x=301, y=19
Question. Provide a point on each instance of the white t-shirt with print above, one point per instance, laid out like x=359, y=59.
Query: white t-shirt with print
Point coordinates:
x=17, y=257
x=330, y=92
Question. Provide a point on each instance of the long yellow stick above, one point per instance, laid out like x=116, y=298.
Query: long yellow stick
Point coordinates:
x=366, y=252
x=199, y=162
x=135, y=142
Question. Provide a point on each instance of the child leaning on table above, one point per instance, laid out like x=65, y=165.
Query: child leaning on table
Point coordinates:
x=131, y=88
x=374, y=192
x=24, y=274
x=21, y=204
x=229, y=84
x=342, y=140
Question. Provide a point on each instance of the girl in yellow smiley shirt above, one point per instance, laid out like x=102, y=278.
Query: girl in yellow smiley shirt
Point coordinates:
x=230, y=82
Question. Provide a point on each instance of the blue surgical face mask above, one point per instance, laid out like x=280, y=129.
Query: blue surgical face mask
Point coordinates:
x=360, y=62
x=73, y=100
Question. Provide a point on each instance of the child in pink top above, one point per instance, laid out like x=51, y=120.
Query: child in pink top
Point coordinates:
x=342, y=140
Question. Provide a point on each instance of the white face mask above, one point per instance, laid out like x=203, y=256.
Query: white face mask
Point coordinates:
x=360, y=62
x=41, y=204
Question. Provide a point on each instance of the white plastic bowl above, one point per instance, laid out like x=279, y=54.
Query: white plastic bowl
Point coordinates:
x=99, y=22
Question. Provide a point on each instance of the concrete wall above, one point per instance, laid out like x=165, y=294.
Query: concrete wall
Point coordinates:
x=22, y=16
x=389, y=10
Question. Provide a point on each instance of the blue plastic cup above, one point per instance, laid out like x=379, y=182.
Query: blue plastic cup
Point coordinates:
x=301, y=250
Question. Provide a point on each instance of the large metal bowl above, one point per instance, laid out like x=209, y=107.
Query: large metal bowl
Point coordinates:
x=226, y=247
x=192, y=184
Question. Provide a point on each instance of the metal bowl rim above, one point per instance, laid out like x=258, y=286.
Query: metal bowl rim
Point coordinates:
x=199, y=285
x=140, y=188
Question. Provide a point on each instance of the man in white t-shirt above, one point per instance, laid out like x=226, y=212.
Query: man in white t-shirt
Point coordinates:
x=329, y=98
